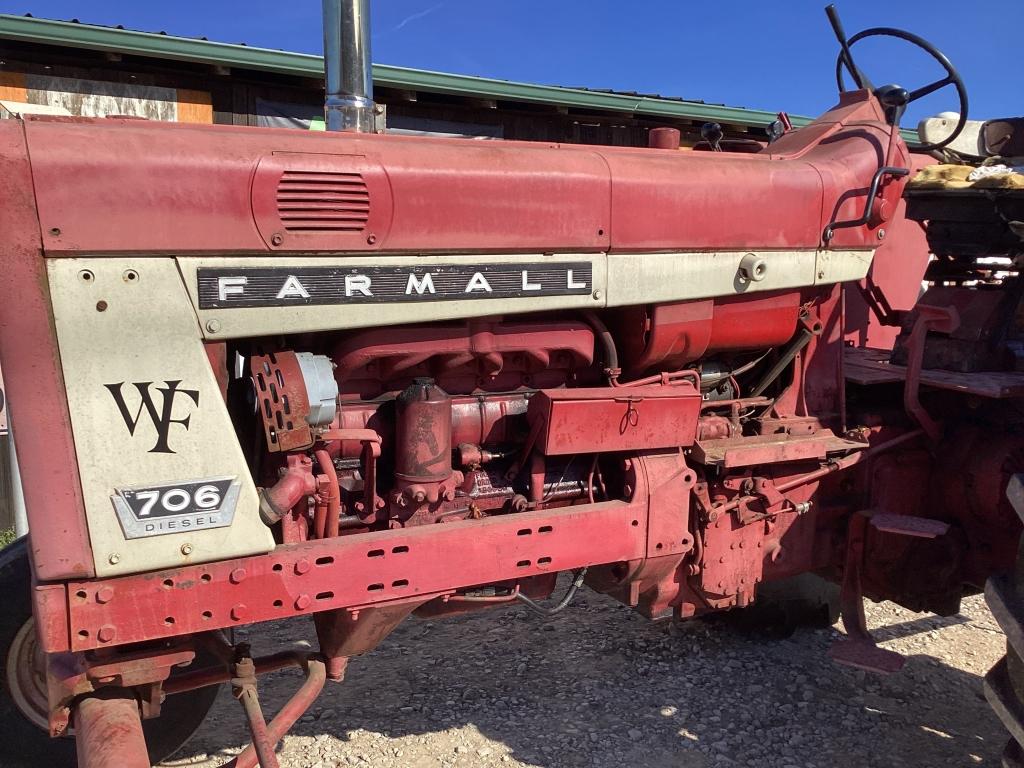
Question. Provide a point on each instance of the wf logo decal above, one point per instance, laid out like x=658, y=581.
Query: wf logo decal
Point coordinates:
x=162, y=417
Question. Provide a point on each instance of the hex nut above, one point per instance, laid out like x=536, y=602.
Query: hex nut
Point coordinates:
x=106, y=634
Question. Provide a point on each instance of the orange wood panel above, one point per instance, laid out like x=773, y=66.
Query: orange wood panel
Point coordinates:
x=194, y=106
x=12, y=86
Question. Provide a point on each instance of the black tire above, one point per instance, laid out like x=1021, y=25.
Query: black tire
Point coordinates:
x=25, y=743
x=1004, y=684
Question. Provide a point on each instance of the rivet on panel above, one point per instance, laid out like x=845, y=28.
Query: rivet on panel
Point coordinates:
x=213, y=326
x=597, y=295
x=114, y=558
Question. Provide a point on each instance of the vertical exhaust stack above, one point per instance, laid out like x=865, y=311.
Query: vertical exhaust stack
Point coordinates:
x=348, y=77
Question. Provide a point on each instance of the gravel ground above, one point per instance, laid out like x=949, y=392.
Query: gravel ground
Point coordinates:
x=600, y=686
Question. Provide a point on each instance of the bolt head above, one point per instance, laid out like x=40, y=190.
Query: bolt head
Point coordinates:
x=302, y=602
x=597, y=295
x=881, y=234
x=106, y=634
x=104, y=594
x=114, y=558
x=213, y=326
x=239, y=612
x=237, y=575
x=302, y=566
x=186, y=549
x=277, y=238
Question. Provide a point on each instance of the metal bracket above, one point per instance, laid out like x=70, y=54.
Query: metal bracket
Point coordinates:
x=859, y=649
x=943, y=320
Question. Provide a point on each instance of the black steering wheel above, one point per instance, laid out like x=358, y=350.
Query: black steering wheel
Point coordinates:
x=952, y=78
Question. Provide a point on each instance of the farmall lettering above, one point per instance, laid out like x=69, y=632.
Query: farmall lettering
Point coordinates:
x=279, y=287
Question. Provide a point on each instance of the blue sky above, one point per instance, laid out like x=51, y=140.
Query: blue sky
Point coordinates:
x=748, y=53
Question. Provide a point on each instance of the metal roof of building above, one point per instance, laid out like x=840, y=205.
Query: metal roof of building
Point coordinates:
x=200, y=50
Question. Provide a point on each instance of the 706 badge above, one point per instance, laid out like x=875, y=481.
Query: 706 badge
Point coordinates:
x=156, y=510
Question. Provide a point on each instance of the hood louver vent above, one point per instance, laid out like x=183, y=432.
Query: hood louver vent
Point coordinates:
x=322, y=201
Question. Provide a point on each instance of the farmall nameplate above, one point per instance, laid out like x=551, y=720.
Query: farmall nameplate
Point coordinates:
x=282, y=287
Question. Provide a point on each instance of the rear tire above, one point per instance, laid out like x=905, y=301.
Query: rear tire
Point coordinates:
x=25, y=741
x=1004, y=684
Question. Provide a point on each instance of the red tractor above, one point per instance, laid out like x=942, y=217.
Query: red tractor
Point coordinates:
x=258, y=374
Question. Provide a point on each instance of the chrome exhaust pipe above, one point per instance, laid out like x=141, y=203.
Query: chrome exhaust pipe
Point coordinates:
x=347, y=71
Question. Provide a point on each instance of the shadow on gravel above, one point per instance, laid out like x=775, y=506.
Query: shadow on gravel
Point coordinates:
x=599, y=686
x=917, y=626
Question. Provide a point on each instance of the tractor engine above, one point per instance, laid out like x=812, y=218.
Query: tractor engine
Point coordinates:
x=391, y=428
x=442, y=409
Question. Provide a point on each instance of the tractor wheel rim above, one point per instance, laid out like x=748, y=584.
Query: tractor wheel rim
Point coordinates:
x=26, y=677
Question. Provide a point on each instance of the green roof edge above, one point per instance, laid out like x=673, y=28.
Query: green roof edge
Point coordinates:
x=100, y=38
